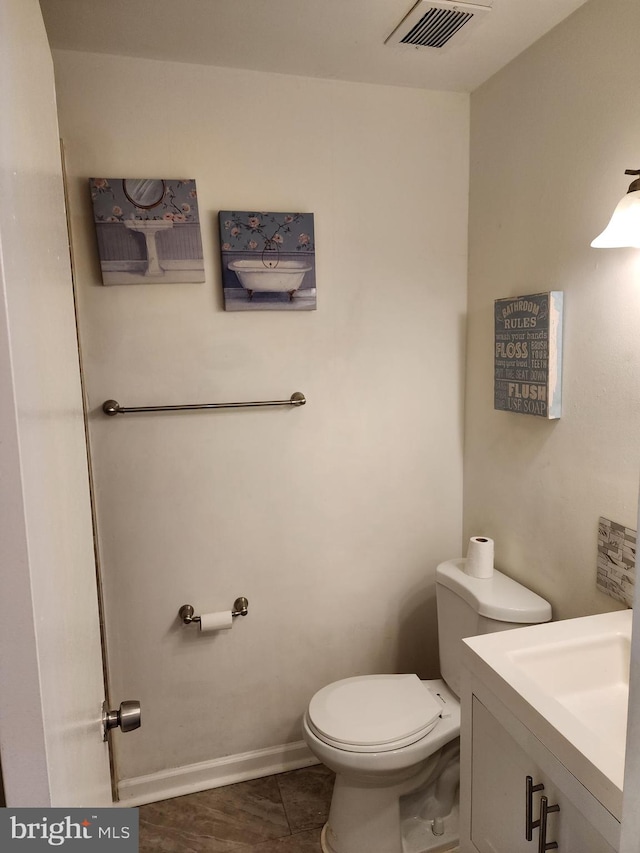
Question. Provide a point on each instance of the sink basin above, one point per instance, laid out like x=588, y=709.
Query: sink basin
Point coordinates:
x=589, y=676
x=570, y=680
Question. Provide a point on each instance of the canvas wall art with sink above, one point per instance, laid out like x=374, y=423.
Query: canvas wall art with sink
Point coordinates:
x=148, y=230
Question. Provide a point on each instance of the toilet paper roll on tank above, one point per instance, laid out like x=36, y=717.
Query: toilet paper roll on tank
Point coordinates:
x=479, y=562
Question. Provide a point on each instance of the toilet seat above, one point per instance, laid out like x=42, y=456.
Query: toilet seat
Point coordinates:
x=373, y=713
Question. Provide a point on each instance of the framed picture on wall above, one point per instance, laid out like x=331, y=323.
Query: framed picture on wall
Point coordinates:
x=268, y=261
x=148, y=230
x=528, y=354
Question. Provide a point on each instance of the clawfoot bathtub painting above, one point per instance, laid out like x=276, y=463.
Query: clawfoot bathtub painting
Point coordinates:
x=280, y=277
x=268, y=261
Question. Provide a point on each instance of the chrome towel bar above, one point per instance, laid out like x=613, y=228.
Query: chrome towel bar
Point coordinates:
x=112, y=407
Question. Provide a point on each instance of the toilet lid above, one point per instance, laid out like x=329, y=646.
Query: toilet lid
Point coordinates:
x=374, y=711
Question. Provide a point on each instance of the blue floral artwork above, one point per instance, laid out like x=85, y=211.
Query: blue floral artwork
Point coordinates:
x=268, y=261
x=148, y=230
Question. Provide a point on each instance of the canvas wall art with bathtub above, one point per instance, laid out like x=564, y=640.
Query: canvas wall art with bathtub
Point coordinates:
x=268, y=261
x=148, y=230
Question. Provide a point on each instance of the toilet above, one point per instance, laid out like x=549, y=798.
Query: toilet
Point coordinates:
x=393, y=740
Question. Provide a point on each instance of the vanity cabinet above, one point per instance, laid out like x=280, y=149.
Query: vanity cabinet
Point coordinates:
x=498, y=755
x=502, y=803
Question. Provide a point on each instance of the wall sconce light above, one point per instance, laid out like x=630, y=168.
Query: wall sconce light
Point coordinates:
x=624, y=226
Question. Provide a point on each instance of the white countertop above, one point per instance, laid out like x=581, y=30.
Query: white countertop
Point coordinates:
x=568, y=682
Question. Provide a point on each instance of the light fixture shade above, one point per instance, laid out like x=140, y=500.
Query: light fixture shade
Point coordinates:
x=624, y=227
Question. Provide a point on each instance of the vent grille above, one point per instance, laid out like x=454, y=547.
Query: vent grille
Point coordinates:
x=436, y=27
x=439, y=24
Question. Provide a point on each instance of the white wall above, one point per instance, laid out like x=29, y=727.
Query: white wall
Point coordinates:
x=51, y=681
x=551, y=136
x=330, y=518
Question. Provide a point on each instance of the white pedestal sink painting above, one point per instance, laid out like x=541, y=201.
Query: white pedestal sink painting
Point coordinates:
x=148, y=230
x=268, y=261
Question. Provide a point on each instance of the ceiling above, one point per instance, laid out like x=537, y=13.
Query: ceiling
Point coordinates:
x=333, y=39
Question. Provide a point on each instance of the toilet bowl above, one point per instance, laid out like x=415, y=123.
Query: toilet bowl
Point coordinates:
x=393, y=740
x=395, y=756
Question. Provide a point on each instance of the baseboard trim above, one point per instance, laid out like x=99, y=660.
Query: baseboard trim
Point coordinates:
x=178, y=781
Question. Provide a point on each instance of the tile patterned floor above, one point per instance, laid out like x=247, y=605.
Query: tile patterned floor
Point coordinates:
x=278, y=814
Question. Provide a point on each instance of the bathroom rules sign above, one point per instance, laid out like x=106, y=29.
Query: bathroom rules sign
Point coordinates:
x=528, y=354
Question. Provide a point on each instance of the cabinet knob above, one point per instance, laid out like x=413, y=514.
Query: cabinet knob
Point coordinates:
x=545, y=809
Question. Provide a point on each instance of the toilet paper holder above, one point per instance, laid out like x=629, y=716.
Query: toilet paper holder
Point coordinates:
x=240, y=608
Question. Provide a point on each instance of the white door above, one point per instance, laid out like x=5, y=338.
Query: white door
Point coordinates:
x=51, y=679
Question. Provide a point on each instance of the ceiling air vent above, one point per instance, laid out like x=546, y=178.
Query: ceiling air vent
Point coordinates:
x=434, y=23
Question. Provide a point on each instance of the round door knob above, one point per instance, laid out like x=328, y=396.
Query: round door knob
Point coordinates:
x=130, y=715
x=127, y=718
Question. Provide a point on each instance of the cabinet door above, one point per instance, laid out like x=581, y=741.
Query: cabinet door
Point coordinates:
x=498, y=797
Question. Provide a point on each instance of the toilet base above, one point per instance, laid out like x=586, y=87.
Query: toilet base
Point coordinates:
x=415, y=813
x=324, y=846
x=417, y=836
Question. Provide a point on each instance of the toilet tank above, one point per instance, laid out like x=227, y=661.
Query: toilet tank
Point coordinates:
x=469, y=606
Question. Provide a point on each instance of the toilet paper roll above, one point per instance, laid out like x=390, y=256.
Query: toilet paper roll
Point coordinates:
x=479, y=557
x=220, y=621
